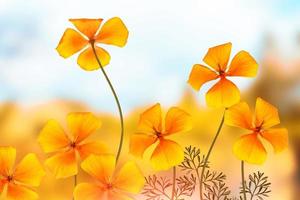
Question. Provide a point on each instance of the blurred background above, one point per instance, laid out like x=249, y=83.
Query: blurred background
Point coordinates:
x=166, y=39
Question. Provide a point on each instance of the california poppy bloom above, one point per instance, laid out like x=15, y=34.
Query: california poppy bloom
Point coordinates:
x=111, y=184
x=249, y=147
x=224, y=93
x=68, y=147
x=17, y=183
x=113, y=32
x=152, y=129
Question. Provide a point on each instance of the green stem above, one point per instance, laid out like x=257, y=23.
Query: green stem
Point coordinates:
x=199, y=179
x=207, y=156
x=75, y=183
x=117, y=101
x=243, y=180
x=174, y=183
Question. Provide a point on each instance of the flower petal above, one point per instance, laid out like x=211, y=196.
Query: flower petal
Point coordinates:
x=100, y=166
x=200, y=75
x=278, y=137
x=18, y=192
x=89, y=148
x=52, y=137
x=7, y=160
x=217, y=57
x=70, y=43
x=3, y=184
x=139, y=143
x=250, y=149
x=29, y=171
x=243, y=64
x=87, y=59
x=63, y=165
x=167, y=154
x=82, y=125
x=151, y=120
x=177, y=120
x=88, y=27
x=113, y=195
x=130, y=178
x=113, y=32
x=223, y=94
x=266, y=114
x=88, y=191
x=239, y=115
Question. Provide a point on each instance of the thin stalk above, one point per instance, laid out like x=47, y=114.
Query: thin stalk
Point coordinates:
x=243, y=180
x=75, y=183
x=117, y=101
x=208, y=154
x=199, y=179
x=174, y=183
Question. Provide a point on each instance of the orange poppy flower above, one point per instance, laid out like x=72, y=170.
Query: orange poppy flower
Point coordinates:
x=16, y=183
x=250, y=147
x=110, y=185
x=113, y=32
x=151, y=130
x=224, y=93
x=68, y=148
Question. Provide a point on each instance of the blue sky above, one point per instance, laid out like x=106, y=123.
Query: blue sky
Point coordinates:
x=166, y=39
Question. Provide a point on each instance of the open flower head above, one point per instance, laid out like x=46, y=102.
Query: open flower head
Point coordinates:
x=17, y=183
x=111, y=184
x=224, y=93
x=152, y=128
x=68, y=149
x=250, y=147
x=88, y=33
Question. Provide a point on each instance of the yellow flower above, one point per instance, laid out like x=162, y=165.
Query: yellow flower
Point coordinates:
x=249, y=147
x=53, y=139
x=111, y=184
x=224, y=93
x=151, y=130
x=16, y=183
x=113, y=32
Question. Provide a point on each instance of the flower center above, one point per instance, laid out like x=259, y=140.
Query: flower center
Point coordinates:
x=157, y=133
x=9, y=178
x=73, y=145
x=222, y=73
x=109, y=186
x=92, y=41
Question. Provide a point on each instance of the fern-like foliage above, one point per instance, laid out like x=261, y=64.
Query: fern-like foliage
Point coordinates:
x=257, y=187
x=160, y=188
x=186, y=186
x=215, y=186
x=157, y=188
x=193, y=160
x=214, y=183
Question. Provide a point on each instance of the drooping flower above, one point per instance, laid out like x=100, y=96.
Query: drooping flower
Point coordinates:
x=111, y=184
x=18, y=183
x=68, y=148
x=152, y=129
x=113, y=32
x=250, y=147
x=224, y=93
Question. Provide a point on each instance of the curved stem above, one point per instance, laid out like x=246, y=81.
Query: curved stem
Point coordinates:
x=200, y=181
x=75, y=182
x=117, y=101
x=174, y=183
x=208, y=154
x=243, y=180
